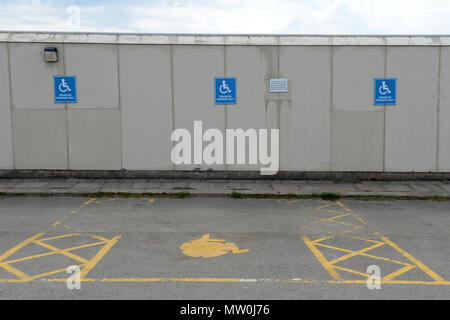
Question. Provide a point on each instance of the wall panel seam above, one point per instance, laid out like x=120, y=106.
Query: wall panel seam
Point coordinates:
x=119, y=101
x=11, y=108
x=438, y=110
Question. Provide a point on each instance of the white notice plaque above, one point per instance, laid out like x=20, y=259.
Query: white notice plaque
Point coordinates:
x=278, y=85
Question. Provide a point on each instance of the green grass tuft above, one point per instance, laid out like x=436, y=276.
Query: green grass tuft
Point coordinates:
x=237, y=195
x=330, y=196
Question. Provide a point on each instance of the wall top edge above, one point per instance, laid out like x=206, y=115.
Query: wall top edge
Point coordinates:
x=217, y=39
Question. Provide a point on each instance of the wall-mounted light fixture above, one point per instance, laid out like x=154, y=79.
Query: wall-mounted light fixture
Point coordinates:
x=51, y=54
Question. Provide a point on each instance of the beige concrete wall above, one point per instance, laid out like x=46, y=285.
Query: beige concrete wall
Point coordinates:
x=6, y=142
x=133, y=91
x=305, y=119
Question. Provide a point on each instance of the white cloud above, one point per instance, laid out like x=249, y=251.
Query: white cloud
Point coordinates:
x=34, y=15
x=288, y=16
x=233, y=16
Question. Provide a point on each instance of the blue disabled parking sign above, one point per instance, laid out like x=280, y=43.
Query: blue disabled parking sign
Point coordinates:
x=385, y=91
x=65, y=89
x=225, y=90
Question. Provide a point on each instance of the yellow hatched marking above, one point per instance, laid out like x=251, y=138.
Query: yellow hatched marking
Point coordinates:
x=63, y=252
x=323, y=239
x=398, y=272
x=326, y=210
x=99, y=238
x=94, y=261
x=54, y=252
x=355, y=226
x=331, y=265
x=83, y=205
x=352, y=271
x=418, y=263
x=362, y=254
x=88, y=265
x=13, y=250
x=322, y=259
x=335, y=217
x=60, y=237
x=325, y=206
x=15, y=271
x=355, y=253
x=364, y=239
x=342, y=205
x=51, y=273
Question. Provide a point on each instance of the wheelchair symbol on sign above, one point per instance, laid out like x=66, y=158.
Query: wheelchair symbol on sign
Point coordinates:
x=64, y=85
x=384, y=89
x=224, y=89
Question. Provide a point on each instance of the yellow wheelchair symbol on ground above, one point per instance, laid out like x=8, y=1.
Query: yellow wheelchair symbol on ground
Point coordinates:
x=209, y=248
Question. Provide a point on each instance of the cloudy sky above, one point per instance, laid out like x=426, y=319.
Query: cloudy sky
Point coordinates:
x=229, y=16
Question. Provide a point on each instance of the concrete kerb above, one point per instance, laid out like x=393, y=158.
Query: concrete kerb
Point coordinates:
x=340, y=176
x=149, y=193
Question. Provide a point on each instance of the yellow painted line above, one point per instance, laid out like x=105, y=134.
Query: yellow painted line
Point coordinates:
x=47, y=274
x=342, y=205
x=59, y=237
x=31, y=257
x=85, y=246
x=335, y=217
x=355, y=226
x=325, y=210
x=325, y=206
x=321, y=259
x=418, y=263
x=364, y=239
x=53, y=252
x=444, y=283
x=352, y=271
x=172, y=280
x=99, y=238
x=364, y=254
x=13, y=280
x=355, y=253
x=13, y=250
x=354, y=214
x=83, y=205
x=89, y=201
x=293, y=201
x=323, y=239
x=318, y=220
x=15, y=271
x=398, y=272
x=233, y=280
x=439, y=283
x=103, y=251
x=51, y=273
x=61, y=251
x=65, y=280
x=56, y=223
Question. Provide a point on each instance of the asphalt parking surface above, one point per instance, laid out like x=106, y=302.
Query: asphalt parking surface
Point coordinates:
x=223, y=248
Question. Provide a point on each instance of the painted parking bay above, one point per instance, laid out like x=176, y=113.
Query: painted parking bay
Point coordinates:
x=270, y=241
